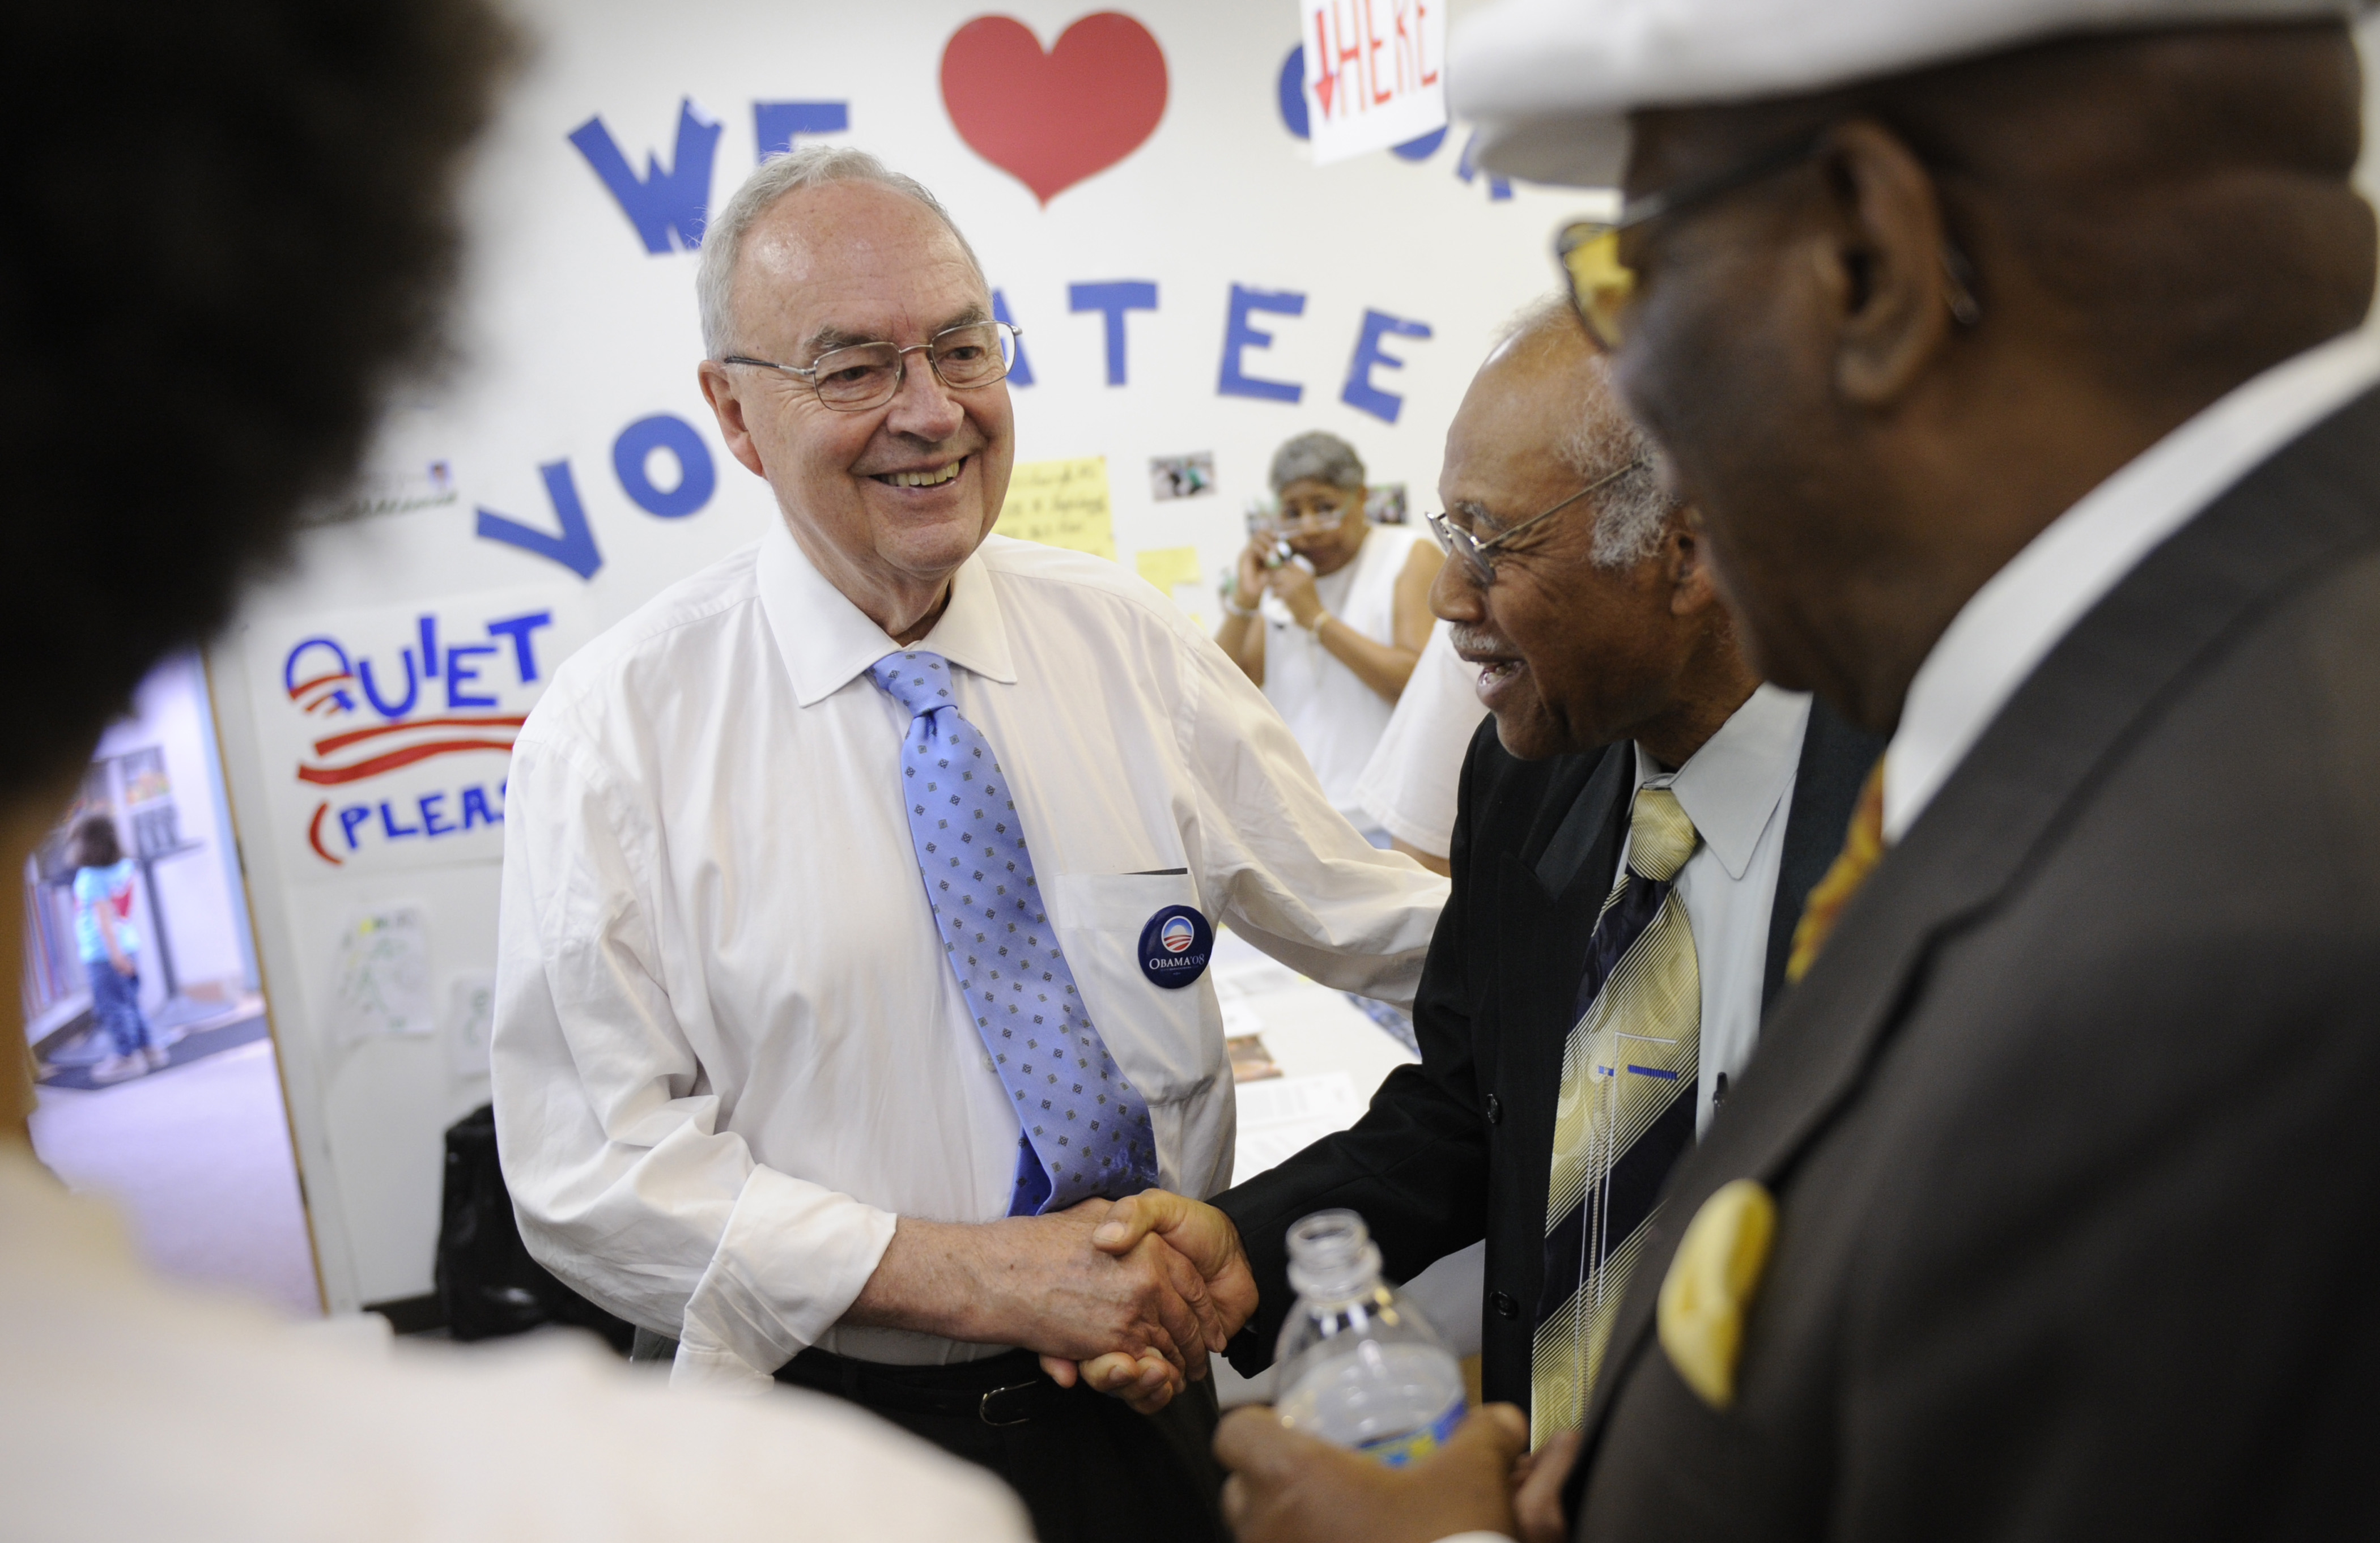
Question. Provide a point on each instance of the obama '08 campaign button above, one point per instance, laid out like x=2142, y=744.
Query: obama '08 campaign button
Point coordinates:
x=1175, y=946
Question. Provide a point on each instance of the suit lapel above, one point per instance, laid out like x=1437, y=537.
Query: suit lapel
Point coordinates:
x=1836, y=759
x=2289, y=520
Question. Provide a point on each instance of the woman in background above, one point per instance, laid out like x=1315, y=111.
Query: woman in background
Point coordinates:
x=110, y=945
x=1333, y=631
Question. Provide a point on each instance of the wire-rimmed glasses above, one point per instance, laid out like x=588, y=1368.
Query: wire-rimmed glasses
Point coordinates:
x=1476, y=554
x=864, y=375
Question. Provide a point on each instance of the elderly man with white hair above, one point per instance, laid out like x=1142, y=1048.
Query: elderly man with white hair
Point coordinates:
x=2015, y=354
x=858, y=892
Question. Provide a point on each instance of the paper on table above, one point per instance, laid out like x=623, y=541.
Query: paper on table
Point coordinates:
x=1060, y=504
x=1251, y=1061
x=1282, y=1116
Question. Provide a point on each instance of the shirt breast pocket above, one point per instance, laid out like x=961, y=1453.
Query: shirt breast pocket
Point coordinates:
x=1168, y=1041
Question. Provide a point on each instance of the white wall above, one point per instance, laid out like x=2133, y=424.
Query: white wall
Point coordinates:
x=574, y=330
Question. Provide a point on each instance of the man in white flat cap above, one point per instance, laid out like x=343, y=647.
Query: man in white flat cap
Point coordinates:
x=2013, y=353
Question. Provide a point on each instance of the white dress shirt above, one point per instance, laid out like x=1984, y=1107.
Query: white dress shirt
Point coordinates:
x=2008, y=626
x=1738, y=789
x=729, y=1050
x=1414, y=784
x=135, y=1410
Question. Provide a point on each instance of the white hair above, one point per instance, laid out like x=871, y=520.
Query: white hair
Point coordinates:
x=1632, y=512
x=811, y=166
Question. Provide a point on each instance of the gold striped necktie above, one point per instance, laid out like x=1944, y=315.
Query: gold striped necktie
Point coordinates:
x=1863, y=850
x=1629, y=1083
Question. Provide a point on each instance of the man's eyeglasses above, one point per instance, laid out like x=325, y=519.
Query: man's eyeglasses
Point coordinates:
x=1602, y=288
x=1600, y=284
x=866, y=375
x=1477, y=555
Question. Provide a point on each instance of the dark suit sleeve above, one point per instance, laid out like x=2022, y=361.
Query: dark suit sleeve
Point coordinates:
x=1416, y=1166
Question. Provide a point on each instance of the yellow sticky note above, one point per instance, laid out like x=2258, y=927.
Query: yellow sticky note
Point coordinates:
x=1060, y=504
x=1167, y=566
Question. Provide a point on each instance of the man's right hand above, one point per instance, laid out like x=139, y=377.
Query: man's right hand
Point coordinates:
x=1194, y=1231
x=1038, y=1281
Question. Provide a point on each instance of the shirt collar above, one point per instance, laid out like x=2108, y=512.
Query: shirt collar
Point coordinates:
x=2007, y=627
x=1731, y=787
x=826, y=641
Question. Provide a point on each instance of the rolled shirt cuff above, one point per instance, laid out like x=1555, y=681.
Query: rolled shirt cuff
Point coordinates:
x=793, y=1260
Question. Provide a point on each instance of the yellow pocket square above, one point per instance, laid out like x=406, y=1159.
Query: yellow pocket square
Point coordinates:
x=1710, y=1286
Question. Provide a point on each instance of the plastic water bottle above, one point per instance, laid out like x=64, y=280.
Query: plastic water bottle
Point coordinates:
x=1360, y=1366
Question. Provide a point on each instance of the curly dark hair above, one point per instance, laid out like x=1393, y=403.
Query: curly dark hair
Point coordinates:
x=232, y=229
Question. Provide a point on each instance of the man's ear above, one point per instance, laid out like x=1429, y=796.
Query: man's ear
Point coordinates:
x=1685, y=559
x=1882, y=270
x=727, y=405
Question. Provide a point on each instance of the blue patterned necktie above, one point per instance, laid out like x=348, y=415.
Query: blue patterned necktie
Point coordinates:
x=1085, y=1130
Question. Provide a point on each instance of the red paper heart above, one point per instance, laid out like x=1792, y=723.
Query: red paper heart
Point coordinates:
x=1052, y=119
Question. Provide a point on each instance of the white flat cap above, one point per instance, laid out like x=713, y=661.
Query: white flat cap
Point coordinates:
x=1550, y=82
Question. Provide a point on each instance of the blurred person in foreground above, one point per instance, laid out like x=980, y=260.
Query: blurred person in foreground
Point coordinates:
x=2013, y=356
x=281, y=261
x=1331, y=631
x=831, y=1088
x=1638, y=829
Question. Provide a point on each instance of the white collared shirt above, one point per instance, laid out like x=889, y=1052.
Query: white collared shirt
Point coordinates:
x=1738, y=789
x=2009, y=624
x=729, y=1050
x=266, y=1431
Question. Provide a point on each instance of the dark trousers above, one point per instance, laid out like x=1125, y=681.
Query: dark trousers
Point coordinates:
x=115, y=1002
x=1087, y=1468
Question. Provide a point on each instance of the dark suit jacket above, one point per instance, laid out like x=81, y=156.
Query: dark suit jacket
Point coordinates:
x=2074, y=1129
x=1459, y=1147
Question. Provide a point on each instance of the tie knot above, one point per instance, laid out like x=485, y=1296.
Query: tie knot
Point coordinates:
x=1660, y=837
x=918, y=680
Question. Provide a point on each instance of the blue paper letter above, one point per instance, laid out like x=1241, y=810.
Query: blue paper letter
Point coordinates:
x=1114, y=300
x=662, y=203
x=1020, y=374
x=1360, y=393
x=696, y=477
x=1239, y=335
x=574, y=548
x=774, y=124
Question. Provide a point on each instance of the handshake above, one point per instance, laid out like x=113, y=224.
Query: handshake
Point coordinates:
x=1131, y=1296
x=1183, y=1290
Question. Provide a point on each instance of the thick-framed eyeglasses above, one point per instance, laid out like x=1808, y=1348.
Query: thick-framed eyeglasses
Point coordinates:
x=1478, y=556
x=1600, y=284
x=864, y=375
x=1602, y=288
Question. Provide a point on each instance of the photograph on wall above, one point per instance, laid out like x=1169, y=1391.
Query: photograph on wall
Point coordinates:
x=1181, y=476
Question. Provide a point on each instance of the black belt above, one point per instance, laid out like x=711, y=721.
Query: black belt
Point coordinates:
x=1009, y=1389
